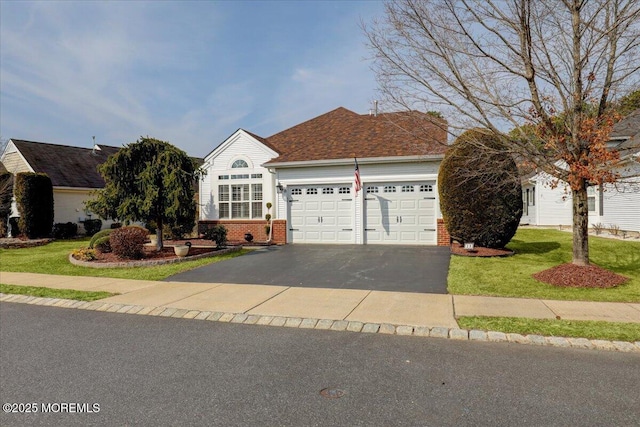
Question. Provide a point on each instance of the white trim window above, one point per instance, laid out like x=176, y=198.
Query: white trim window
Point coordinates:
x=240, y=200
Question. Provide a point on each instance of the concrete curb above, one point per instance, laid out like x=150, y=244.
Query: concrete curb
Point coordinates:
x=333, y=325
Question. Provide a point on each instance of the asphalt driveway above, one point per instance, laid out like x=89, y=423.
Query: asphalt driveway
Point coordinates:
x=370, y=267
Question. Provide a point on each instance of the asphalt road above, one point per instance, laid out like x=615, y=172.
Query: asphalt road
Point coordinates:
x=369, y=267
x=159, y=371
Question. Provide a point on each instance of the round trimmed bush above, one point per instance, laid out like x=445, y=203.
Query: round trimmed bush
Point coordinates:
x=128, y=242
x=480, y=190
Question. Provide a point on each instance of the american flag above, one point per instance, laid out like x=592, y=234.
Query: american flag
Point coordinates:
x=357, y=177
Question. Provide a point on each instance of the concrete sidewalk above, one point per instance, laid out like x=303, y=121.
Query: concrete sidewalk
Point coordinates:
x=379, y=307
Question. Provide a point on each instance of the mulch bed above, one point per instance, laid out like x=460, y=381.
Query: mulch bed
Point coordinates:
x=150, y=253
x=578, y=276
x=19, y=243
x=458, y=249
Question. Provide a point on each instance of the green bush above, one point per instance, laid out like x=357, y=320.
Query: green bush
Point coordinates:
x=103, y=244
x=480, y=191
x=65, y=230
x=128, y=242
x=34, y=196
x=99, y=235
x=92, y=226
x=217, y=234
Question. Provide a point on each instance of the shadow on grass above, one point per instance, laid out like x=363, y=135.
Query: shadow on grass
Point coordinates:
x=522, y=247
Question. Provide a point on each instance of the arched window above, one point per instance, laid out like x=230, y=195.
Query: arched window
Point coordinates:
x=239, y=164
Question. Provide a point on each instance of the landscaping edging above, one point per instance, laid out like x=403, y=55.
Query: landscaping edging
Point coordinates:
x=330, y=324
x=21, y=244
x=151, y=262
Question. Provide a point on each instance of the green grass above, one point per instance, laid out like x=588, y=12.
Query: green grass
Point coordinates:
x=558, y=328
x=33, y=291
x=540, y=249
x=54, y=259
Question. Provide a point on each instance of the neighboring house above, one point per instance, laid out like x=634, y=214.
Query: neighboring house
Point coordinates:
x=72, y=170
x=616, y=205
x=307, y=173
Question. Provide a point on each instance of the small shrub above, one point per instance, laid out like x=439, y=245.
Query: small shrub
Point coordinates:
x=128, y=242
x=103, y=245
x=92, y=226
x=614, y=229
x=598, y=228
x=217, y=234
x=65, y=230
x=98, y=235
x=267, y=230
x=85, y=254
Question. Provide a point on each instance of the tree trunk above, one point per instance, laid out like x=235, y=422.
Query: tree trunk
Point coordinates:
x=580, y=226
x=159, y=226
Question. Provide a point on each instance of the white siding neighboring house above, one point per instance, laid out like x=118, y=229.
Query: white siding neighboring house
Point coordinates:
x=612, y=205
x=307, y=173
x=72, y=170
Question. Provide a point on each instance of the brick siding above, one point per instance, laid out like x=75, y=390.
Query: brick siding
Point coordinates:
x=236, y=229
x=443, y=235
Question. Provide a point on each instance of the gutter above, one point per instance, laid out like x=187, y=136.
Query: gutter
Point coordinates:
x=349, y=161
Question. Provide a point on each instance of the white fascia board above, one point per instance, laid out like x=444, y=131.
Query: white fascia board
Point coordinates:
x=208, y=160
x=14, y=149
x=349, y=161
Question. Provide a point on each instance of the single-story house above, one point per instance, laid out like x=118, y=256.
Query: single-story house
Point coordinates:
x=307, y=174
x=610, y=205
x=72, y=170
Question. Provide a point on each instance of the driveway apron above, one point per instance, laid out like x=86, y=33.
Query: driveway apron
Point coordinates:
x=368, y=267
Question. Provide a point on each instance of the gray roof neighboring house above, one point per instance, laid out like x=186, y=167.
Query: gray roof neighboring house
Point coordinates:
x=67, y=166
x=627, y=131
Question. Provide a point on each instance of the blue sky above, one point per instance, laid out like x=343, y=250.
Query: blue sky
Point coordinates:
x=188, y=72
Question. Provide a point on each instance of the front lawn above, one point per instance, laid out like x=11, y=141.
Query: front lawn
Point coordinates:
x=54, y=259
x=540, y=249
x=595, y=330
x=34, y=291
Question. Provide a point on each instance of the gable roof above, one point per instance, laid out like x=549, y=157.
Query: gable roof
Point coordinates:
x=341, y=134
x=627, y=127
x=66, y=166
x=627, y=130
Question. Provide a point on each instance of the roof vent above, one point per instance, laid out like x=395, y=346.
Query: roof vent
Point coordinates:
x=96, y=147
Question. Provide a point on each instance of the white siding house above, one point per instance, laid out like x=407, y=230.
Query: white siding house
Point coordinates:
x=610, y=205
x=307, y=172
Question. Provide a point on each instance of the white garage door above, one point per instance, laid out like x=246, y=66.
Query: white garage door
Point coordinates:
x=400, y=213
x=321, y=214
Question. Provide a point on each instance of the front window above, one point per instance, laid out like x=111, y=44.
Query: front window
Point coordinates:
x=240, y=201
x=239, y=164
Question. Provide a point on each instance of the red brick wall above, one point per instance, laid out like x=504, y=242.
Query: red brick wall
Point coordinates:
x=443, y=235
x=236, y=230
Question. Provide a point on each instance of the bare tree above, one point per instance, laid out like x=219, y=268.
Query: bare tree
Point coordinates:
x=546, y=68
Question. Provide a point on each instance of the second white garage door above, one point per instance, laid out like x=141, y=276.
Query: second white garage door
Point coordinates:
x=321, y=214
x=400, y=213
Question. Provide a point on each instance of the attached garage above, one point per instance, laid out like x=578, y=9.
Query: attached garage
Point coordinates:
x=339, y=178
x=321, y=214
x=402, y=213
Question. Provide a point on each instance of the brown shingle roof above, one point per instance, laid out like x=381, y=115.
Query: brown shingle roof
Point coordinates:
x=341, y=134
x=66, y=166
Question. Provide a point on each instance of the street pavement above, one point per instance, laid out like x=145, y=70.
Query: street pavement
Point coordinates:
x=151, y=370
